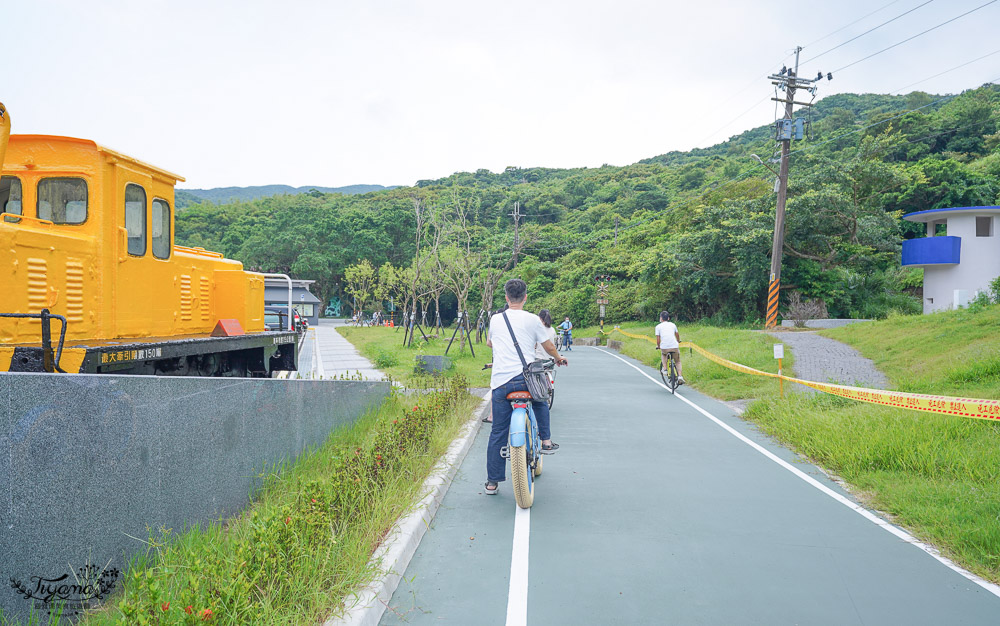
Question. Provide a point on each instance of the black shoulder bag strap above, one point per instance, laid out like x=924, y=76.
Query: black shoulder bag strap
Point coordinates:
x=517, y=347
x=538, y=382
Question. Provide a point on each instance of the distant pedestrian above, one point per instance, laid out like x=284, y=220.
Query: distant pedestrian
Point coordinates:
x=566, y=328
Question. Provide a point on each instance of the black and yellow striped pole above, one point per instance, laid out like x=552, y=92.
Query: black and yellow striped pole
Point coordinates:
x=773, y=288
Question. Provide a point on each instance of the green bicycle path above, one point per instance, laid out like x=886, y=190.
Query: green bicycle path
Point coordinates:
x=652, y=513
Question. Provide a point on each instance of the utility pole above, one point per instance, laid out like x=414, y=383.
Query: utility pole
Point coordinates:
x=517, y=223
x=788, y=81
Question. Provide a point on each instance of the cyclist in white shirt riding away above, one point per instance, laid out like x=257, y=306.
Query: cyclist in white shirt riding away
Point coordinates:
x=508, y=376
x=668, y=341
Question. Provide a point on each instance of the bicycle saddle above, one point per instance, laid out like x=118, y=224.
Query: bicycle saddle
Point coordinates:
x=519, y=395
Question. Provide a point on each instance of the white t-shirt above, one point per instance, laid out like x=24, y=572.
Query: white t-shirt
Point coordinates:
x=540, y=352
x=665, y=331
x=528, y=329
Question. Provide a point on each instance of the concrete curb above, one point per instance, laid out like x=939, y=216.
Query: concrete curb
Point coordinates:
x=392, y=557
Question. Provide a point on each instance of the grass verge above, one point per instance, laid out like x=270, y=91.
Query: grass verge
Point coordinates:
x=304, y=544
x=384, y=348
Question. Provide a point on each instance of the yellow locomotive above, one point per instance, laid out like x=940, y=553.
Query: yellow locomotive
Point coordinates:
x=87, y=239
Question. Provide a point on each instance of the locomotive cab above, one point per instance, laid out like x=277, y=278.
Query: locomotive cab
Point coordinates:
x=90, y=237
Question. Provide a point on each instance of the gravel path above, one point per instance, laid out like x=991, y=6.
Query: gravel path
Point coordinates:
x=822, y=359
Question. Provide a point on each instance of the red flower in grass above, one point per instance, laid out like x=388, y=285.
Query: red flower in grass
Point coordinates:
x=314, y=500
x=395, y=421
x=165, y=607
x=378, y=457
x=206, y=614
x=188, y=610
x=288, y=521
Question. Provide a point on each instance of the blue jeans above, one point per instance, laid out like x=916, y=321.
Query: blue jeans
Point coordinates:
x=496, y=465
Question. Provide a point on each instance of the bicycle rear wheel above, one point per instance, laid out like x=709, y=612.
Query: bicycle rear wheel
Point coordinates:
x=521, y=472
x=672, y=377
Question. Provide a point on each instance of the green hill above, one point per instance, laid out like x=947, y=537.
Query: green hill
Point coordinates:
x=222, y=195
x=689, y=231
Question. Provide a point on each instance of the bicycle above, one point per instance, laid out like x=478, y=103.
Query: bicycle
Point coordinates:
x=524, y=447
x=669, y=375
x=565, y=340
x=552, y=387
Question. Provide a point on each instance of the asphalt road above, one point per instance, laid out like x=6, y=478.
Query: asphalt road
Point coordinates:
x=654, y=512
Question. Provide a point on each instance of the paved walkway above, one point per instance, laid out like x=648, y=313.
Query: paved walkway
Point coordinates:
x=823, y=360
x=325, y=353
x=655, y=511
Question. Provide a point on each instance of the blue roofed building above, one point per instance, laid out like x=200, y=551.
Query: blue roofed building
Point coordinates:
x=960, y=254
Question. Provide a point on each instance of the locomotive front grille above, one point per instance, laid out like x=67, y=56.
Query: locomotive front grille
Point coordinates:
x=74, y=291
x=186, y=298
x=38, y=286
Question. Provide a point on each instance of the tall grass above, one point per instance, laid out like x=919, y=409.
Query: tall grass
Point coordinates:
x=938, y=475
x=304, y=545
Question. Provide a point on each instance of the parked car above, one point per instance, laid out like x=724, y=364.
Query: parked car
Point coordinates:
x=276, y=318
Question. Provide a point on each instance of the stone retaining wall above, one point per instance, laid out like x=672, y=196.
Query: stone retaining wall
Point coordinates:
x=88, y=462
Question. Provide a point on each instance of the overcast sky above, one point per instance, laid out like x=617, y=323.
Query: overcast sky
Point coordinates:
x=337, y=93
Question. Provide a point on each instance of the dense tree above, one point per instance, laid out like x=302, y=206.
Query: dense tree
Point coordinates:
x=688, y=231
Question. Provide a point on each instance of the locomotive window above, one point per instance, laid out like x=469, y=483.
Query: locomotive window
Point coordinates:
x=161, y=229
x=62, y=200
x=10, y=195
x=135, y=219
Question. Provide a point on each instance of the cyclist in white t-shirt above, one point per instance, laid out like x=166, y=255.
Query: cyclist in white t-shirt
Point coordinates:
x=668, y=341
x=508, y=376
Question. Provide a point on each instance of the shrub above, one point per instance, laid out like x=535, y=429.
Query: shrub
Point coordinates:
x=799, y=312
x=383, y=358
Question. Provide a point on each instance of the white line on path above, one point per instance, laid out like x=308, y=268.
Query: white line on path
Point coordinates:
x=860, y=510
x=517, y=595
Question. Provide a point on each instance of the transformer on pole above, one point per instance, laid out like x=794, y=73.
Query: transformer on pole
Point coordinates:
x=786, y=129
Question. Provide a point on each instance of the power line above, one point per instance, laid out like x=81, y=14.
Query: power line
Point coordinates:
x=889, y=119
x=867, y=31
x=595, y=236
x=946, y=71
x=736, y=93
x=752, y=107
x=752, y=170
x=913, y=37
x=828, y=35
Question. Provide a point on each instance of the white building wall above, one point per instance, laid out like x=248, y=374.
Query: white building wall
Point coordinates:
x=980, y=264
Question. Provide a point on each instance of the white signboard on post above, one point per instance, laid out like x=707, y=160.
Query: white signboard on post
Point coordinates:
x=779, y=350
